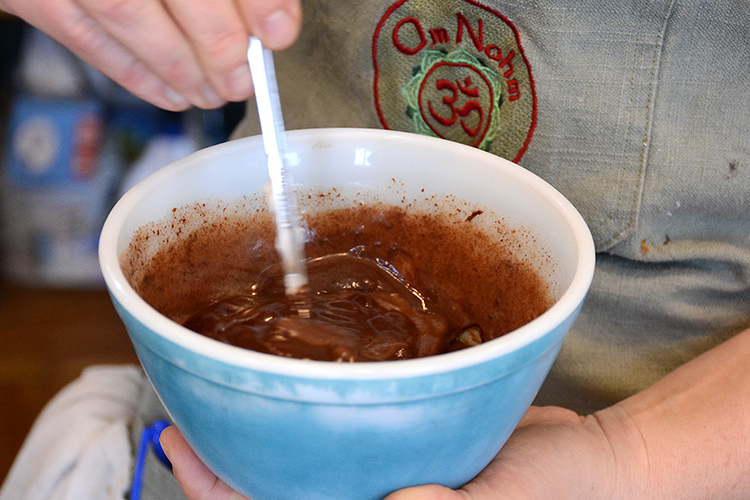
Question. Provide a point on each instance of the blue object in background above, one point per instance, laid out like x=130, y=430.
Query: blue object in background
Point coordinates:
x=53, y=142
x=149, y=440
x=56, y=191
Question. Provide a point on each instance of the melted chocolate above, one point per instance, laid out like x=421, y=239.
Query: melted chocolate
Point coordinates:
x=394, y=283
x=356, y=310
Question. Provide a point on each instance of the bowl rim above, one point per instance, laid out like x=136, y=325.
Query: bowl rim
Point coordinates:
x=121, y=291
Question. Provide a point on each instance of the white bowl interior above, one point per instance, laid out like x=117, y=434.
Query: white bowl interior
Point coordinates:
x=395, y=165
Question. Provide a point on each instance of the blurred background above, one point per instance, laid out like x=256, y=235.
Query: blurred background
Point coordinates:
x=71, y=142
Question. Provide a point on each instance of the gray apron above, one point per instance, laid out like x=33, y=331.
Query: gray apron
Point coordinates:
x=638, y=111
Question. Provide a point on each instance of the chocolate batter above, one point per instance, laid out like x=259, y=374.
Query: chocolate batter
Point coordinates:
x=386, y=282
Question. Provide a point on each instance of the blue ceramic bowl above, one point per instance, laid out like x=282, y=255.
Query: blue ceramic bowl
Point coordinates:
x=277, y=428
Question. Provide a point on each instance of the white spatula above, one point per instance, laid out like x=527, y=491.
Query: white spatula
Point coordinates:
x=290, y=235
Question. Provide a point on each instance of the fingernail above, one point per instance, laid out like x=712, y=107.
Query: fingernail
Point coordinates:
x=176, y=98
x=164, y=445
x=278, y=29
x=240, y=83
x=211, y=97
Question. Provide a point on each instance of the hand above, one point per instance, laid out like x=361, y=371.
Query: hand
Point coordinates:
x=553, y=454
x=172, y=53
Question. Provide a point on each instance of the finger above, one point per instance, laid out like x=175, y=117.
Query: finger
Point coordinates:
x=219, y=39
x=71, y=26
x=549, y=414
x=196, y=480
x=475, y=490
x=276, y=23
x=148, y=31
x=427, y=492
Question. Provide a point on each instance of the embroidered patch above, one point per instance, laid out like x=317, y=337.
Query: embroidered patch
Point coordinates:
x=456, y=70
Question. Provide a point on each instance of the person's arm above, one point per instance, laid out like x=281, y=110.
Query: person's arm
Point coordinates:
x=694, y=426
x=685, y=437
x=172, y=53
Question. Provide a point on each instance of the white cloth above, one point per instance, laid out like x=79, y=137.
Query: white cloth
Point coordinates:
x=79, y=448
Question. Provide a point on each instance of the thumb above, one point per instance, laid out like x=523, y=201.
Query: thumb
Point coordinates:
x=196, y=480
x=426, y=492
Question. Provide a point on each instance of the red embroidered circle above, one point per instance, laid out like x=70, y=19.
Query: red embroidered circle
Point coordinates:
x=456, y=71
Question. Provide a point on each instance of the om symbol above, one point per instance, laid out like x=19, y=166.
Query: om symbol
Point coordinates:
x=456, y=102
